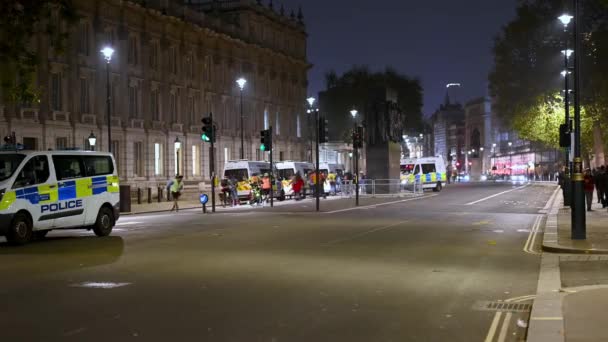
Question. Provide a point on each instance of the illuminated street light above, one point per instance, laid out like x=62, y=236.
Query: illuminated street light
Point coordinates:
x=107, y=53
x=565, y=19
x=567, y=52
x=311, y=101
x=354, y=113
x=92, y=141
x=241, y=83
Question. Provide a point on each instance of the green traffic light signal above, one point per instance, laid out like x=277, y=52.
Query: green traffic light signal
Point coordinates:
x=262, y=147
x=205, y=138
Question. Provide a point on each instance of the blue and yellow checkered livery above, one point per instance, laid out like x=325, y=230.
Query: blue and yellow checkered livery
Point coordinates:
x=64, y=190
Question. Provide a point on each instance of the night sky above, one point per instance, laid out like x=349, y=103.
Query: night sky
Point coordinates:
x=438, y=41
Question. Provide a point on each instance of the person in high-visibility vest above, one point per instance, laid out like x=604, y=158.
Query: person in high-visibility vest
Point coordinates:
x=176, y=190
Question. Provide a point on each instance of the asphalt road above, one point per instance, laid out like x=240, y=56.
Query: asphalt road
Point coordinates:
x=413, y=270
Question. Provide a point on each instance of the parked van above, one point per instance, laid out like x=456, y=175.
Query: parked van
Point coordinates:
x=45, y=190
x=285, y=171
x=330, y=168
x=429, y=171
x=242, y=170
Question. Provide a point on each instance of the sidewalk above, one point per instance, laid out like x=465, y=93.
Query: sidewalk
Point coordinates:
x=572, y=293
x=558, y=230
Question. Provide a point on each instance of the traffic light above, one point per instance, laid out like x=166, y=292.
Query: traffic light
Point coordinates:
x=358, y=137
x=266, y=140
x=323, y=131
x=208, y=129
x=564, y=136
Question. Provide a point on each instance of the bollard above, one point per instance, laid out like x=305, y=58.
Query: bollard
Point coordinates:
x=204, y=208
x=168, y=196
x=160, y=194
x=125, y=198
x=139, y=193
x=149, y=195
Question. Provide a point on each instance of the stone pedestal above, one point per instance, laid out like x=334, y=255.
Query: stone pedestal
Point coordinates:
x=383, y=165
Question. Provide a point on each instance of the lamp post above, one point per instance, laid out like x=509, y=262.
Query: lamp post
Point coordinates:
x=107, y=53
x=510, y=159
x=311, y=102
x=92, y=141
x=567, y=185
x=578, y=194
x=483, y=161
x=241, y=83
x=356, y=156
x=178, y=145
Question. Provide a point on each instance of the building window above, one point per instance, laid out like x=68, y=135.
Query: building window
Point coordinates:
x=61, y=143
x=158, y=159
x=173, y=59
x=154, y=54
x=83, y=39
x=173, y=106
x=266, y=120
x=56, y=103
x=277, y=124
x=226, y=154
x=258, y=154
x=191, y=109
x=132, y=56
x=298, y=127
x=281, y=155
x=114, y=98
x=30, y=143
x=133, y=105
x=155, y=105
x=196, y=160
x=190, y=65
x=138, y=160
x=84, y=96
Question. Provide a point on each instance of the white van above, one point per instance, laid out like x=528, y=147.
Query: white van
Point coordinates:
x=46, y=190
x=285, y=170
x=330, y=168
x=429, y=171
x=242, y=170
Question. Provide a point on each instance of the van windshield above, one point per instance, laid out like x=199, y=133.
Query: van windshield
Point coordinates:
x=8, y=164
x=285, y=173
x=406, y=169
x=238, y=174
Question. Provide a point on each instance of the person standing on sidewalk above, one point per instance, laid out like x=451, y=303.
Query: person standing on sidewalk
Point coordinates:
x=589, y=187
x=176, y=190
x=602, y=188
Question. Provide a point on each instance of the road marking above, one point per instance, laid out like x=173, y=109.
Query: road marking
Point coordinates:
x=495, y=195
x=100, y=285
x=529, y=245
x=498, y=315
x=127, y=223
x=378, y=205
x=505, y=327
x=493, y=327
x=358, y=235
x=546, y=318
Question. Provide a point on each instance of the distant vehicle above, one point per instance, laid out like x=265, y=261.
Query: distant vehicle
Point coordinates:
x=45, y=190
x=327, y=168
x=430, y=171
x=285, y=171
x=241, y=171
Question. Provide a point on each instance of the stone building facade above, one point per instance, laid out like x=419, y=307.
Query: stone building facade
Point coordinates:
x=174, y=62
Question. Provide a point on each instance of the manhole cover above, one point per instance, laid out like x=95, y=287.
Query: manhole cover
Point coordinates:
x=502, y=306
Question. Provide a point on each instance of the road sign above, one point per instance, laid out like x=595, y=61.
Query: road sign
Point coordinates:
x=204, y=199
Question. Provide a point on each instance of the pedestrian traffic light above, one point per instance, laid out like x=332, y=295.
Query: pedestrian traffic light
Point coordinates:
x=208, y=129
x=358, y=137
x=564, y=136
x=323, y=131
x=266, y=140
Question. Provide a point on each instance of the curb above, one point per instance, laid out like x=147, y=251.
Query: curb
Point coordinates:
x=550, y=242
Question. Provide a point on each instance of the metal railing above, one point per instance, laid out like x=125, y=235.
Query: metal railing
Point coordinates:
x=380, y=188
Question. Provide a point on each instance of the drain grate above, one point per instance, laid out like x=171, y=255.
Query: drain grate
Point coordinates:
x=503, y=306
x=564, y=211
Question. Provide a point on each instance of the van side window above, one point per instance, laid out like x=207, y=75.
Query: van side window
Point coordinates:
x=428, y=168
x=35, y=171
x=68, y=167
x=98, y=165
x=417, y=169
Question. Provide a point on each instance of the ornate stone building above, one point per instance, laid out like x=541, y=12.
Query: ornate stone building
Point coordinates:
x=174, y=62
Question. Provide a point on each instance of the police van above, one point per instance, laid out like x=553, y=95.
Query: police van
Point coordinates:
x=287, y=169
x=242, y=170
x=45, y=190
x=430, y=172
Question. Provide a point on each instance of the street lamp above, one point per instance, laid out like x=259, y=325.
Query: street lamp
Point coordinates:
x=510, y=159
x=177, y=145
x=311, y=102
x=354, y=113
x=107, y=53
x=241, y=83
x=92, y=141
x=565, y=19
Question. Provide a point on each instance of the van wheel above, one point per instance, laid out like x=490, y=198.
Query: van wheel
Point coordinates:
x=20, y=231
x=40, y=234
x=438, y=187
x=105, y=222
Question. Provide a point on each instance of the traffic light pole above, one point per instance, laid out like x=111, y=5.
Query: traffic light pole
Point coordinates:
x=317, y=173
x=356, y=156
x=212, y=163
x=578, y=200
x=272, y=182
